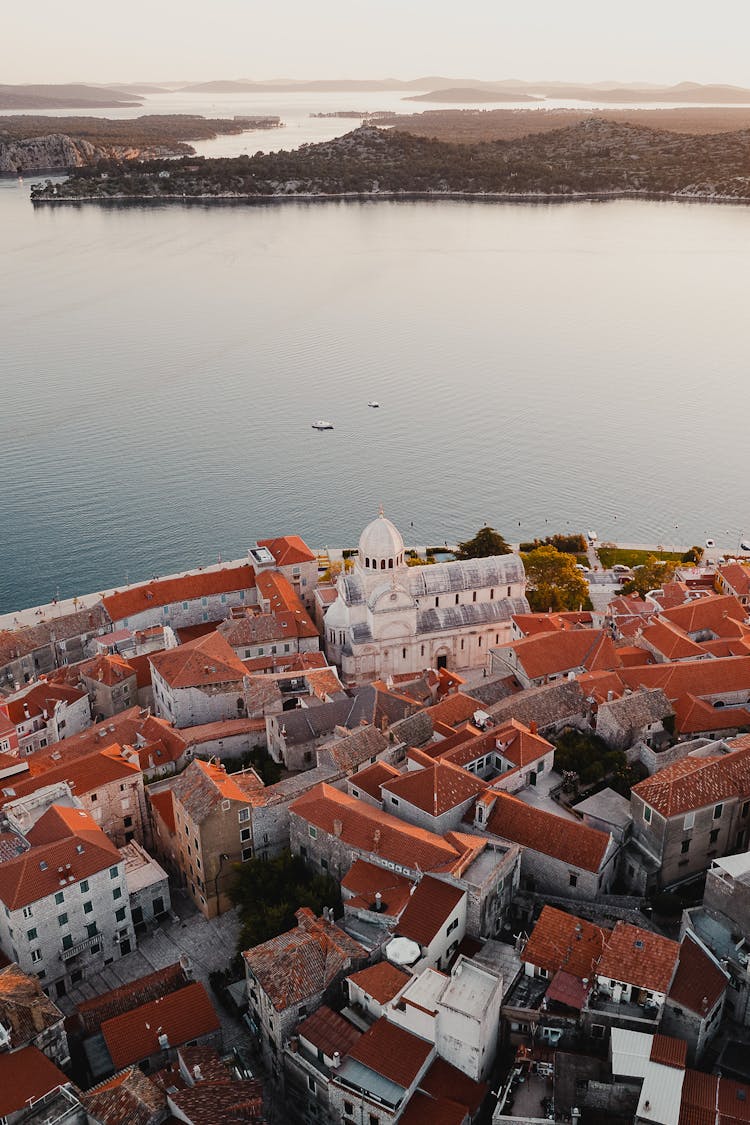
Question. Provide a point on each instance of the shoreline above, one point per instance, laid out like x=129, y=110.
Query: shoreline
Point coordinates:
x=397, y=196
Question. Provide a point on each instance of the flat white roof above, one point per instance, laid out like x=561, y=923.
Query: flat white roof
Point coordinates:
x=734, y=865
x=470, y=988
x=631, y=1051
x=141, y=869
x=661, y=1094
x=425, y=989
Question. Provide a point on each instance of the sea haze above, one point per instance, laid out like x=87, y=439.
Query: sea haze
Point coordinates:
x=539, y=367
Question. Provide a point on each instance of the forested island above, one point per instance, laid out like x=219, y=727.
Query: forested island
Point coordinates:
x=33, y=143
x=593, y=158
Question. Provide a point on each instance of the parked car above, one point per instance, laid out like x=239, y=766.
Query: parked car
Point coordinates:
x=744, y=545
x=620, y=568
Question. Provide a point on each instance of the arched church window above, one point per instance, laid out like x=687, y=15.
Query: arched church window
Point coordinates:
x=367, y=563
x=382, y=564
x=390, y=564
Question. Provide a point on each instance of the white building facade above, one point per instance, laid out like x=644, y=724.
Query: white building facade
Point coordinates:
x=391, y=618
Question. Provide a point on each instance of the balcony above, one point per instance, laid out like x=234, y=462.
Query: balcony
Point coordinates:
x=67, y=954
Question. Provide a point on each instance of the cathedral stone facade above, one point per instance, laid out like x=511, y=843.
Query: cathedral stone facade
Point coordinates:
x=391, y=618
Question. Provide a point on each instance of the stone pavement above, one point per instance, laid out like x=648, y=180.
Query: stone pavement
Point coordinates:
x=207, y=945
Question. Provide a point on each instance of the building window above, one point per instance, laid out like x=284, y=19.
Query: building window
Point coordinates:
x=117, y=893
x=36, y=955
x=572, y=880
x=745, y=808
x=348, y=1108
x=247, y=853
x=83, y=886
x=244, y=834
x=689, y=820
x=685, y=848
x=312, y=831
x=60, y=898
x=437, y=603
x=27, y=911
x=243, y=815
x=474, y=596
x=67, y=941
x=713, y=835
x=452, y=927
x=113, y=872
x=457, y=599
x=120, y=914
x=88, y=907
x=647, y=813
x=717, y=811
x=91, y=930
x=62, y=919
x=31, y=934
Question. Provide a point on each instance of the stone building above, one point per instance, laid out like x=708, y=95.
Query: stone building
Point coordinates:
x=182, y=600
x=148, y=886
x=27, y=653
x=390, y=618
x=65, y=899
x=44, y=713
x=28, y=1018
x=202, y=681
x=636, y=717
x=292, y=975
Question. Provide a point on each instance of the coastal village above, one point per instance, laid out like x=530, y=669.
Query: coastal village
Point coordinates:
x=518, y=839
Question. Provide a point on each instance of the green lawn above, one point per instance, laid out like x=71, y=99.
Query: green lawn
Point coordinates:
x=611, y=555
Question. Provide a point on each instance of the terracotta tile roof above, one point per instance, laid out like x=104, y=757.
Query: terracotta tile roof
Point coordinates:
x=302, y=963
x=428, y=909
x=201, y=788
x=437, y=789
x=638, y=957
x=571, y=843
x=733, y=1102
x=393, y=1052
x=372, y=777
x=26, y=1075
x=519, y=744
x=737, y=578
x=693, y=677
x=424, y=1108
x=274, y=588
x=454, y=709
x=631, y=656
x=84, y=775
x=381, y=981
x=257, y=629
x=168, y=591
x=597, y=686
x=25, y=1010
x=90, y=1014
x=445, y=1081
x=670, y=641
x=142, y=667
x=37, y=699
x=563, y=651
x=288, y=550
x=109, y=669
x=222, y=728
x=220, y=1103
x=700, y=1094
x=202, y=663
x=694, y=783
x=207, y=1059
x=164, y=806
x=562, y=941
x=183, y=1015
x=696, y=716
x=698, y=982
x=21, y=642
x=364, y=880
x=564, y=988
x=61, y=837
x=372, y=831
x=723, y=614
x=669, y=1051
x=329, y=1032
x=130, y=1098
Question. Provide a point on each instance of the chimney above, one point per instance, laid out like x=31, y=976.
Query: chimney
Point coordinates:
x=197, y=1075
x=533, y=726
x=336, y=1060
x=338, y=827
x=37, y=1018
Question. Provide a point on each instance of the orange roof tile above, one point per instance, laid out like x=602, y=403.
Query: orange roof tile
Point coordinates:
x=670, y=641
x=36, y=700
x=181, y=1016
x=698, y=982
x=737, y=577
x=424, y=1108
x=278, y=591
x=90, y=1014
x=164, y=805
x=370, y=830
x=445, y=1081
x=639, y=957
x=428, y=910
x=381, y=981
x=696, y=716
x=329, y=1032
x=393, y=1052
x=563, y=941
x=570, y=842
x=454, y=709
x=62, y=837
x=440, y=787
x=722, y=614
x=288, y=550
x=694, y=783
x=692, y=677
x=201, y=663
x=364, y=880
x=26, y=1076
x=185, y=588
x=372, y=777
x=669, y=1051
x=82, y=774
x=554, y=653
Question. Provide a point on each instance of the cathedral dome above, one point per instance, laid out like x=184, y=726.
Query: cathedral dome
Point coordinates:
x=381, y=546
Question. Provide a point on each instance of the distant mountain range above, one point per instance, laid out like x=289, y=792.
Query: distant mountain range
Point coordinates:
x=428, y=88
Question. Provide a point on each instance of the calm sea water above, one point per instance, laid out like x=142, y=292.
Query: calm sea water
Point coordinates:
x=539, y=367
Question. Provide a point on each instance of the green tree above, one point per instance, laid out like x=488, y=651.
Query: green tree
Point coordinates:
x=651, y=576
x=486, y=542
x=269, y=891
x=554, y=582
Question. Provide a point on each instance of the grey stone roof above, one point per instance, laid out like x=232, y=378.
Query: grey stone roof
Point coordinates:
x=449, y=618
x=370, y=705
x=415, y=730
x=489, y=692
x=548, y=706
x=470, y=574
x=606, y=806
x=632, y=712
x=350, y=753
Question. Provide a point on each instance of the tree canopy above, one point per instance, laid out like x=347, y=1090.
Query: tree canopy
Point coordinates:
x=269, y=891
x=554, y=582
x=486, y=542
x=651, y=576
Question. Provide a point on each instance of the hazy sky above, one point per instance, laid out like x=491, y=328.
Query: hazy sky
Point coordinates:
x=641, y=40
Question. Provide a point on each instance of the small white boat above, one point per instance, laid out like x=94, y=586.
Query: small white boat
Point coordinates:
x=592, y=536
x=373, y=403
x=321, y=425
